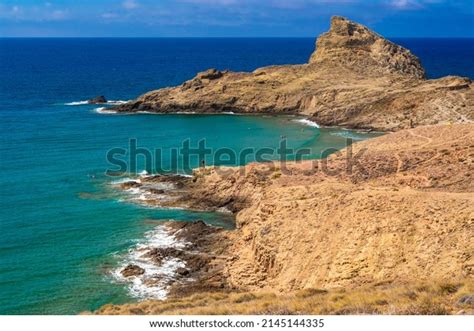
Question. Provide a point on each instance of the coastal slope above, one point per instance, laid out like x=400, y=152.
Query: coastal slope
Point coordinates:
x=401, y=209
x=355, y=79
x=387, y=220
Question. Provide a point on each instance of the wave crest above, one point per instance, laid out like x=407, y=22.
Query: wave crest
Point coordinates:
x=308, y=122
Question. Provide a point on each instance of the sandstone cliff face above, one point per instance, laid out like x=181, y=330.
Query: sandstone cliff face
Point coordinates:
x=404, y=213
x=355, y=78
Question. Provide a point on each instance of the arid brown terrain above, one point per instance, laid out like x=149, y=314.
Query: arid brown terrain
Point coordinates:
x=399, y=216
x=383, y=226
x=355, y=78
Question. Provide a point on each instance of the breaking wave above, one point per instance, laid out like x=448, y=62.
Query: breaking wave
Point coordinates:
x=155, y=281
x=307, y=122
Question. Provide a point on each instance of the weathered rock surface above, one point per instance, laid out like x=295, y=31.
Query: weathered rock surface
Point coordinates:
x=355, y=79
x=401, y=211
x=355, y=47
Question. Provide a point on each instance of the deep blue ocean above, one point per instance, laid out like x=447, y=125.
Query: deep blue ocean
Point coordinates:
x=63, y=228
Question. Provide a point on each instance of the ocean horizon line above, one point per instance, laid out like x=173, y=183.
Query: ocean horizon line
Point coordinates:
x=230, y=37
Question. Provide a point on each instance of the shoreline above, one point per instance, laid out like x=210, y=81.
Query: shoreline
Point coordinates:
x=177, y=258
x=255, y=256
x=397, y=213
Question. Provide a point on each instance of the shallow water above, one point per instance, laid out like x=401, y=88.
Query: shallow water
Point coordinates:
x=63, y=228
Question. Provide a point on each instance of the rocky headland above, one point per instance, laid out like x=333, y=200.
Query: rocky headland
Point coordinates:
x=398, y=218
x=383, y=226
x=355, y=78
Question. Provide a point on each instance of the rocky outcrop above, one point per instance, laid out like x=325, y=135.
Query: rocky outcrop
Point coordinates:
x=356, y=47
x=97, y=100
x=354, y=79
x=132, y=270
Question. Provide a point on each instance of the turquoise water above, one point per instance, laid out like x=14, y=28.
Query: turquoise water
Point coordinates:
x=63, y=228
x=65, y=225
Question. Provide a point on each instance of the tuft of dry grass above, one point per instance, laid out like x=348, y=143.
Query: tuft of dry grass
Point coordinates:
x=411, y=299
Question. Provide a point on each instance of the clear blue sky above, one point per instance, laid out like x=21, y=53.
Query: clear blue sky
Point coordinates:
x=231, y=18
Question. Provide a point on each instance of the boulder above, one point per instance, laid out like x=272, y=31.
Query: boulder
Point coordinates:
x=132, y=270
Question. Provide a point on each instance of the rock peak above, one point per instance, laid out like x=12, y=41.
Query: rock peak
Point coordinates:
x=358, y=48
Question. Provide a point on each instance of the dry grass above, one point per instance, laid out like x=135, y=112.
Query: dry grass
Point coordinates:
x=415, y=299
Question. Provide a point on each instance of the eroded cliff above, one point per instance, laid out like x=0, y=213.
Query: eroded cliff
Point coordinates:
x=402, y=210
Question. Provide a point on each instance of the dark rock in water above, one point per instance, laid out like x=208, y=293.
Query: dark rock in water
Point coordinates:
x=130, y=184
x=158, y=254
x=132, y=270
x=96, y=100
x=467, y=300
x=182, y=271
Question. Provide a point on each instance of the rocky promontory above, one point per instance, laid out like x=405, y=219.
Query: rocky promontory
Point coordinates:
x=355, y=79
x=389, y=232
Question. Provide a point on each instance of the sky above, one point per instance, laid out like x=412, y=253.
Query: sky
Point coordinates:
x=231, y=18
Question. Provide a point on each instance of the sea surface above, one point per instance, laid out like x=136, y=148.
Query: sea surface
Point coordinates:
x=64, y=229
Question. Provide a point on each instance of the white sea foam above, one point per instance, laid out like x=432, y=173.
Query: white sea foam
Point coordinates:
x=153, y=284
x=77, y=103
x=144, y=174
x=306, y=121
x=125, y=180
x=117, y=102
x=134, y=191
x=86, y=102
x=104, y=110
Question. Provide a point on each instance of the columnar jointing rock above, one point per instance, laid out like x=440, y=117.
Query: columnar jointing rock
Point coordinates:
x=355, y=79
